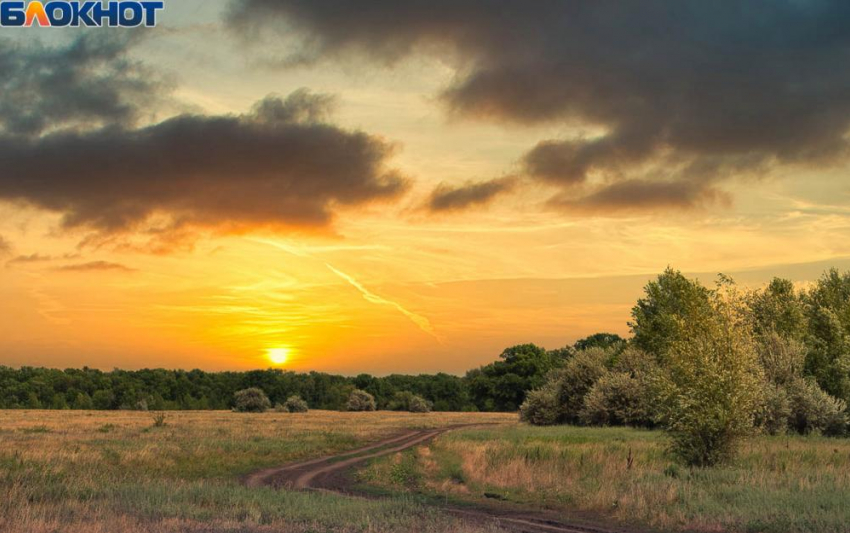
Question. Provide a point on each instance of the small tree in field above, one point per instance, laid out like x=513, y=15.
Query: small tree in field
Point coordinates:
x=360, y=400
x=294, y=404
x=710, y=388
x=252, y=400
x=418, y=404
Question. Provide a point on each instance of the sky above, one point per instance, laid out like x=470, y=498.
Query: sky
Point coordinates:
x=406, y=186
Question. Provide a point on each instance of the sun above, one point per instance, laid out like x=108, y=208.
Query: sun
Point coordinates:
x=278, y=356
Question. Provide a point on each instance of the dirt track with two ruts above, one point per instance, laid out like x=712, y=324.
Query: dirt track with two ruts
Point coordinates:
x=333, y=474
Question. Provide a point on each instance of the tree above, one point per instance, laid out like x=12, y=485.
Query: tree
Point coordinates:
x=658, y=317
x=83, y=401
x=502, y=385
x=828, y=339
x=778, y=310
x=360, y=400
x=710, y=388
x=103, y=399
x=251, y=400
x=600, y=340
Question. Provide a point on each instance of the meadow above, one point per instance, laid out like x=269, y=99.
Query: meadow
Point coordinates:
x=122, y=471
x=776, y=484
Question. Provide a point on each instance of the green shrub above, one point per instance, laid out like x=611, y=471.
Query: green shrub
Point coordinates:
x=418, y=404
x=616, y=398
x=782, y=359
x=775, y=413
x=541, y=406
x=360, y=400
x=159, y=420
x=295, y=404
x=575, y=380
x=251, y=400
x=813, y=410
x=407, y=401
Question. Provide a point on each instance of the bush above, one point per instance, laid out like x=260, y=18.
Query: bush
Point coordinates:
x=407, y=401
x=616, y=398
x=813, y=410
x=575, y=380
x=781, y=359
x=360, y=400
x=541, y=406
x=295, y=404
x=252, y=400
x=159, y=420
x=775, y=413
x=418, y=404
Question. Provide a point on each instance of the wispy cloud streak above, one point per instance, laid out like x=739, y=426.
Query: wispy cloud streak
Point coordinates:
x=423, y=323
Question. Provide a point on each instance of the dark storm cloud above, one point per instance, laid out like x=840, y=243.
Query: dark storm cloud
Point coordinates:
x=635, y=196
x=448, y=198
x=275, y=166
x=754, y=83
x=95, y=266
x=89, y=81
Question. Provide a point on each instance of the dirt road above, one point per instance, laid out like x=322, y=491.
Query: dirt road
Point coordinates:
x=332, y=473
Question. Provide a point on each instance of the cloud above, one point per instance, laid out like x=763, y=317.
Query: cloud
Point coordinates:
x=448, y=198
x=278, y=165
x=5, y=246
x=31, y=258
x=90, y=81
x=95, y=266
x=421, y=322
x=640, y=196
x=733, y=86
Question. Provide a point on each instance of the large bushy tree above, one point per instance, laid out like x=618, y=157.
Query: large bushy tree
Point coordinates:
x=659, y=316
x=709, y=389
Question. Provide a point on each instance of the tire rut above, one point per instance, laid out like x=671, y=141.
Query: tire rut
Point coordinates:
x=331, y=474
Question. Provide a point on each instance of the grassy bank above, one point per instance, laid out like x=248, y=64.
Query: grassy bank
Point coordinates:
x=777, y=484
x=91, y=472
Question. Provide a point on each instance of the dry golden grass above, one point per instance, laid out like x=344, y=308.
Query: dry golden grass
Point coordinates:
x=77, y=471
x=777, y=484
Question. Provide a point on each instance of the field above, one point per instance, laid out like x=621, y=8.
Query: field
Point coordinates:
x=117, y=471
x=778, y=484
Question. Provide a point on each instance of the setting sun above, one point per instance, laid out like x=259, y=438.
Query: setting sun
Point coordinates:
x=278, y=356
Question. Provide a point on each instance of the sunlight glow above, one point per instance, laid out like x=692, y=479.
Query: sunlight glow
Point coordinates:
x=278, y=356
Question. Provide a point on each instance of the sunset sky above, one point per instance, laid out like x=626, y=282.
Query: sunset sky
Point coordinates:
x=405, y=186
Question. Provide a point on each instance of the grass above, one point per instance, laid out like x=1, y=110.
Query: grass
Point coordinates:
x=116, y=472
x=777, y=484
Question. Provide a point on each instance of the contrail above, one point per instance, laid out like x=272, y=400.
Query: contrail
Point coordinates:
x=423, y=323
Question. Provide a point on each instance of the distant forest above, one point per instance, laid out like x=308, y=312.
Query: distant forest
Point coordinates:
x=500, y=386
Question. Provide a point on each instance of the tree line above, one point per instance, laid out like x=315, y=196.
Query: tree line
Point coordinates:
x=499, y=386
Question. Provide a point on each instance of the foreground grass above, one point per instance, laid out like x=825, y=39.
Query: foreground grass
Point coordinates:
x=64, y=471
x=777, y=484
